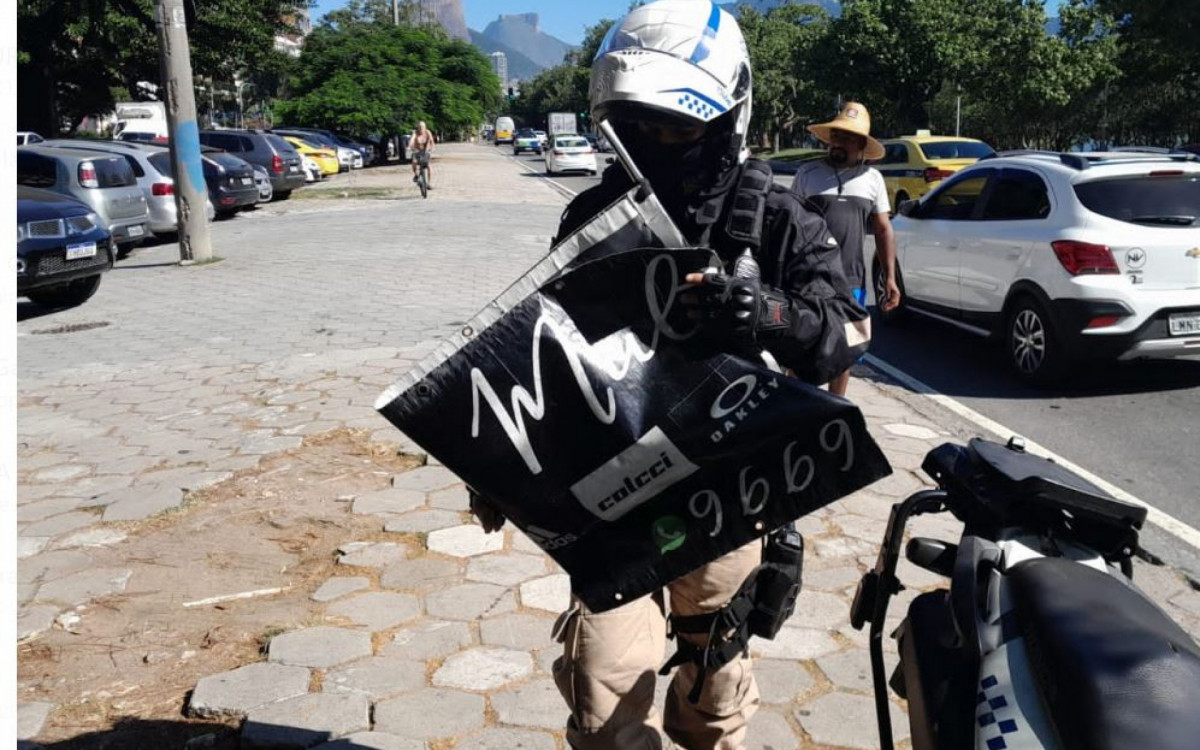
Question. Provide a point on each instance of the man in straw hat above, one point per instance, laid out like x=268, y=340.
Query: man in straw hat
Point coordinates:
x=851, y=195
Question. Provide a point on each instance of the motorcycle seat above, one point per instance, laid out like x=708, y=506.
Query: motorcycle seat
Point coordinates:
x=1114, y=670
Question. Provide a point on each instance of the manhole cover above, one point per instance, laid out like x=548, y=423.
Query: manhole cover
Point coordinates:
x=71, y=328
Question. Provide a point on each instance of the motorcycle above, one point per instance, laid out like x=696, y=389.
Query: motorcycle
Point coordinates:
x=1041, y=640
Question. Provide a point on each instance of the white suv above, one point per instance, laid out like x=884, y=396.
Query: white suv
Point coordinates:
x=1061, y=256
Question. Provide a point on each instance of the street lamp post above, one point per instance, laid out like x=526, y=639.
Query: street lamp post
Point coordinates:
x=241, y=109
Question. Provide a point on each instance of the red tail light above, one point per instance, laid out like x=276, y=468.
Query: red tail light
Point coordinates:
x=87, y=175
x=1103, y=321
x=1081, y=258
x=933, y=174
x=276, y=163
x=163, y=188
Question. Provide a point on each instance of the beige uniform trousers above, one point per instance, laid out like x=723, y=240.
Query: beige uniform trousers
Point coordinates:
x=610, y=661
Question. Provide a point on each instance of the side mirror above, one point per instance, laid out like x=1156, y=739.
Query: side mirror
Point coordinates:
x=908, y=207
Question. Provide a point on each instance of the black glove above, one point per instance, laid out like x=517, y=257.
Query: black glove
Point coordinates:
x=743, y=308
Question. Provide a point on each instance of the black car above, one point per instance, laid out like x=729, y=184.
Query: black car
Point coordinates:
x=230, y=180
x=62, y=248
x=267, y=150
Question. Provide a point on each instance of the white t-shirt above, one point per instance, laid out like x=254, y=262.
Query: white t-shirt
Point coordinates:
x=847, y=198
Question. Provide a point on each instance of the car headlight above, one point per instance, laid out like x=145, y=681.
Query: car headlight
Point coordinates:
x=82, y=224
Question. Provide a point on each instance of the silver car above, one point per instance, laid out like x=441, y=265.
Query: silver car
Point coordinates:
x=103, y=181
x=157, y=186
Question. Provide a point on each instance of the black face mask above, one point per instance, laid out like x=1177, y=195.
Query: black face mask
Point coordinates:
x=683, y=172
x=838, y=156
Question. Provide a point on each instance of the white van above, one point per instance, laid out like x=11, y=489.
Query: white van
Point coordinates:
x=147, y=119
x=504, y=130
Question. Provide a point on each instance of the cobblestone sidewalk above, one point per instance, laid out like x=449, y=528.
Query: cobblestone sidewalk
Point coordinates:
x=440, y=636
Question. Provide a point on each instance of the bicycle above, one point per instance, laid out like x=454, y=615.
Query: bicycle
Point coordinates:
x=422, y=178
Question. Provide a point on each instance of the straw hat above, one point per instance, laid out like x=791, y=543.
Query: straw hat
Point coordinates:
x=853, y=118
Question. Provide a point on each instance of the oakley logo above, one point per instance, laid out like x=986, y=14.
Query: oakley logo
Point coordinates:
x=633, y=476
x=738, y=401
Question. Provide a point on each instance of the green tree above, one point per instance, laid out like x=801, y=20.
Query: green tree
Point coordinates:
x=72, y=54
x=783, y=46
x=372, y=78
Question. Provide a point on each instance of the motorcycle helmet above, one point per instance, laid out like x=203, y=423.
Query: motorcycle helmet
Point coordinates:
x=673, y=78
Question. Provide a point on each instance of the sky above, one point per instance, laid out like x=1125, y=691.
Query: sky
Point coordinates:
x=565, y=20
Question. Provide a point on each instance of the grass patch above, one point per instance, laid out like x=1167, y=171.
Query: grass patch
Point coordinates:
x=345, y=193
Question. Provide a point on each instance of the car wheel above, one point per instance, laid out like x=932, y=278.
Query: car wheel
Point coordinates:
x=878, y=280
x=282, y=195
x=1035, y=350
x=71, y=294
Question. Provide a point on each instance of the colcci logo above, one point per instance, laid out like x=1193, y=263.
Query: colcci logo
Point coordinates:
x=739, y=399
x=630, y=485
x=633, y=476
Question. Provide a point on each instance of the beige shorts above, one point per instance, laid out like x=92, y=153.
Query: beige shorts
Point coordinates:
x=610, y=661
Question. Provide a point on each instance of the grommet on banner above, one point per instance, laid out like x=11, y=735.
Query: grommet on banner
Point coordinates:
x=468, y=332
x=758, y=526
x=619, y=596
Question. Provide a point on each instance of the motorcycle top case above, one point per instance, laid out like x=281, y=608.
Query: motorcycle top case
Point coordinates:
x=617, y=438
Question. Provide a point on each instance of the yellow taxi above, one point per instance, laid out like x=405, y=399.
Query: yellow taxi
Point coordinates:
x=327, y=160
x=912, y=165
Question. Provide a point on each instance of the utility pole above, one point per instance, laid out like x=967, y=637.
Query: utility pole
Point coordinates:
x=395, y=12
x=958, y=109
x=191, y=195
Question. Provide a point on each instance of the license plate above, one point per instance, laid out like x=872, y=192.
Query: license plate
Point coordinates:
x=1185, y=324
x=82, y=250
x=293, y=168
x=247, y=181
x=137, y=230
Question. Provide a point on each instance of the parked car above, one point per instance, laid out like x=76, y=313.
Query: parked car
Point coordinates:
x=105, y=182
x=28, y=138
x=1060, y=256
x=138, y=136
x=369, y=151
x=570, y=153
x=526, y=139
x=62, y=248
x=157, y=185
x=365, y=152
x=325, y=157
x=912, y=165
x=265, y=149
x=262, y=180
x=347, y=157
x=230, y=181
x=312, y=170
x=542, y=137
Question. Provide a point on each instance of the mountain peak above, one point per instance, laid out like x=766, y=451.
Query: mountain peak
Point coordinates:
x=529, y=19
x=520, y=32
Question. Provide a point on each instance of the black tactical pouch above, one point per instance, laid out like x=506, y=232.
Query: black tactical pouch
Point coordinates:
x=778, y=582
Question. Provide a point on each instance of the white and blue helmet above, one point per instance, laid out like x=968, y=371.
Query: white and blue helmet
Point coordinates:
x=684, y=59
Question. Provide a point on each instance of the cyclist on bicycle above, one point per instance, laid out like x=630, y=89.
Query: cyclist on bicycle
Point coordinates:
x=421, y=143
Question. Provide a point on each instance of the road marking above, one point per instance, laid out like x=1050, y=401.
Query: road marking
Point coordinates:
x=555, y=183
x=1165, y=521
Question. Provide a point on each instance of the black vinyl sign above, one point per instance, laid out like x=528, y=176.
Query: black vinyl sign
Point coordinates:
x=616, y=437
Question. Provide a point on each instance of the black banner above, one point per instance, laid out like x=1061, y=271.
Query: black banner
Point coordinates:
x=616, y=437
